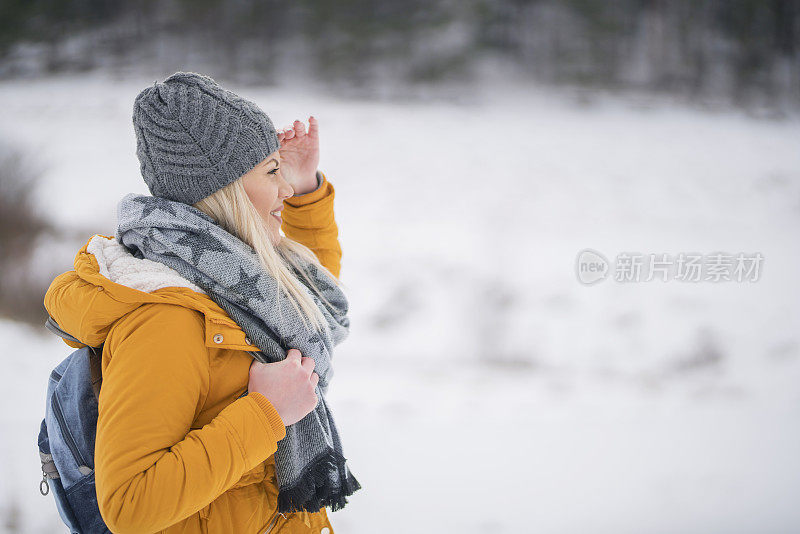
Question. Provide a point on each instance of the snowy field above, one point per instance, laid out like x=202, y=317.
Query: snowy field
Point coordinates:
x=483, y=388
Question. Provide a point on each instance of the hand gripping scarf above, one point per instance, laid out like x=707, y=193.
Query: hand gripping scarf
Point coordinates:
x=309, y=463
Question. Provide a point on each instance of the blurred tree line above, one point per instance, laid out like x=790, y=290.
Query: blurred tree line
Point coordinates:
x=741, y=50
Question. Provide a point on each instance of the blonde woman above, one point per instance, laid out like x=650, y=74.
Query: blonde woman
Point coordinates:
x=216, y=330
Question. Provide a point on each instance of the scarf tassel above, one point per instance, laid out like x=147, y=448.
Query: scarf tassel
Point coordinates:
x=313, y=489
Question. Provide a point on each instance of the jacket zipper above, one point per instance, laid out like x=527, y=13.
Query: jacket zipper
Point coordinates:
x=271, y=524
x=66, y=433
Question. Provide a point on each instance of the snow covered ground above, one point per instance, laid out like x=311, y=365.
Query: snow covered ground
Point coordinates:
x=483, y=388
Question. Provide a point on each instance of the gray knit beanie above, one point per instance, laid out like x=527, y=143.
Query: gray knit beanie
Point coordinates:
x=193, y=137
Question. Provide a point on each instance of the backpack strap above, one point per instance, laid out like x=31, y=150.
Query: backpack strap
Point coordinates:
x=94, y=362
x=52, y=325
x=96, y=369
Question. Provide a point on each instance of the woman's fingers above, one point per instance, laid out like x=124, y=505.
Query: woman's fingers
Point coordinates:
x=313, y=126
x=308, y=364
x=298, y=129
x=288, y=133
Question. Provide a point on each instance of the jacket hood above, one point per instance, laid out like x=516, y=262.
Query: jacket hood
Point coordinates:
x=109, y=282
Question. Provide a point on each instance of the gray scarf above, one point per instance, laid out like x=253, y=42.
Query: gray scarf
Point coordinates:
x=309, y=463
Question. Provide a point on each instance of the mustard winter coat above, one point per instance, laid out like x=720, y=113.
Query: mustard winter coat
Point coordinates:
x=176, y=449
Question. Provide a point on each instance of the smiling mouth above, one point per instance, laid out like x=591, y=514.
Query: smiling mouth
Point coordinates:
x=277, y=215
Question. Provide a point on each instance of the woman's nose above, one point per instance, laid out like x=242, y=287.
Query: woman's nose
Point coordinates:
x=287, y=189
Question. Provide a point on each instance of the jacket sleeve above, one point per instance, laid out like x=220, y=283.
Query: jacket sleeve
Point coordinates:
x=308, y=219
x=152, y=470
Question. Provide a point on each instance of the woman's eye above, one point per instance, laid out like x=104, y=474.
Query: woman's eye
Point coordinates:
x=274, y=171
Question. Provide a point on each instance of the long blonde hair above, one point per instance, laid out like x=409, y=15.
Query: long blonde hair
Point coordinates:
x=232, y=209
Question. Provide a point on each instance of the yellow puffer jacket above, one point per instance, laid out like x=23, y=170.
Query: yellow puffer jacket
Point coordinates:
x=177, y=450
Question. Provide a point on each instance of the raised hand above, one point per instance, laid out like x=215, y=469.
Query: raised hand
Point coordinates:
x=300, y=155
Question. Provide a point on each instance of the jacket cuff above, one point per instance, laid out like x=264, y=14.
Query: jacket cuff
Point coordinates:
x=273, y=418
x=311, y=196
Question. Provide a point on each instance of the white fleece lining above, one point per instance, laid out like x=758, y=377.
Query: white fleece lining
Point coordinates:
x=122, y=267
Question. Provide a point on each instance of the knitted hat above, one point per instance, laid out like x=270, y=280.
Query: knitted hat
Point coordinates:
x=193, y=137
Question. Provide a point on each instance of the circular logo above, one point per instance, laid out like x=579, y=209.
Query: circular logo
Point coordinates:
x=591, y=267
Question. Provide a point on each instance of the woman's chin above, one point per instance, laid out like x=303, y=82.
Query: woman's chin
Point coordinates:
x=273, y=228
x=275, y=235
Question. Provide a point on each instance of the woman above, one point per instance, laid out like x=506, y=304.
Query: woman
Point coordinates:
x=206, y=422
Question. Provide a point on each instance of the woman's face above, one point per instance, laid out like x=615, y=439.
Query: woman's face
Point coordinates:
x=267, y=190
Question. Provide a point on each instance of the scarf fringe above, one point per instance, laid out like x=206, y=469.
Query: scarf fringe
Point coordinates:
x=313, y=489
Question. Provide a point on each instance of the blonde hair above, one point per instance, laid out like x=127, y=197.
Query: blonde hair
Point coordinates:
x=232, y=209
